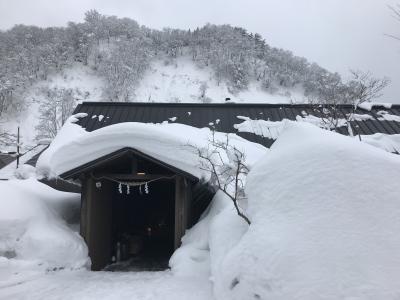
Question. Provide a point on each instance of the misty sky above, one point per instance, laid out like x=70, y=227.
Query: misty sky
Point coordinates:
x=337, y=34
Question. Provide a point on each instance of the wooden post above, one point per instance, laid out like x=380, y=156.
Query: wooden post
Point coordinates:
x=182, y=206
x=85, y=194
x=97, y=218
x=18, y=148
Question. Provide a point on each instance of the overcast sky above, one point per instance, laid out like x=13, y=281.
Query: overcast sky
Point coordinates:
x=337, y=34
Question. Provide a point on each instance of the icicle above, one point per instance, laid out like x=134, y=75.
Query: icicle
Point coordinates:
x=120, y=188
x=128, y=189
x=146, y=188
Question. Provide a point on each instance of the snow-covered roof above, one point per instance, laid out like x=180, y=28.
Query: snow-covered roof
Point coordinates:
x=174, y=145
x=378, y=119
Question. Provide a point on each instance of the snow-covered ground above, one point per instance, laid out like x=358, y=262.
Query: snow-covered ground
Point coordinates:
x=79, y=285
x=43, y=257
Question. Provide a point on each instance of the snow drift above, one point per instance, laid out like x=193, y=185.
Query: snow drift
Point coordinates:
x=325, y=220
x=320, y=229
x=32, y=228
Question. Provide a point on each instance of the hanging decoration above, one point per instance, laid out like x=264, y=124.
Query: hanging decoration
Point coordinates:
x=131, y=184
x=146, y=188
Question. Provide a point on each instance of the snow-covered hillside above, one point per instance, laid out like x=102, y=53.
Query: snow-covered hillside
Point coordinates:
x=86, y=86
x=180, y=80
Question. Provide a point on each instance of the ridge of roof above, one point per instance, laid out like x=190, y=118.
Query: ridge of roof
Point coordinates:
x=225, y=104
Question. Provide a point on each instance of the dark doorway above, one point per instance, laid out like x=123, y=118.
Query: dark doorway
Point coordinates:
x=134, y=227
x=143, y=221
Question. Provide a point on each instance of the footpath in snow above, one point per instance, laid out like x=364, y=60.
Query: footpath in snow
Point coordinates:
x=71, y=285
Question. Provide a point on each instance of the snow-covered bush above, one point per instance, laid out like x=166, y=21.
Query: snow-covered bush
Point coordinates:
x=32, y=228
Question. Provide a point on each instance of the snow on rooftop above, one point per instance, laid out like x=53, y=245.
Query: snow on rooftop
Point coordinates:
x=9, y=171
x=273, y=129
x=170, y=143
x=385, y=116
x=369, y=105
x=268, y=129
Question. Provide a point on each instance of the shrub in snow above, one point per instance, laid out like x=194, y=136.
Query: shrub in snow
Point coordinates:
x=325, y=221
x=31, y=228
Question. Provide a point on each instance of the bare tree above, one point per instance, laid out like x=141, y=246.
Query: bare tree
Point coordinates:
x=227, y=166
x=396, y=14
x=363, y=87
x=55, y=109
x=7, y=139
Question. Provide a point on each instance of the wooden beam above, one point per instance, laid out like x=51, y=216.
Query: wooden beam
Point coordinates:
x=133, y=177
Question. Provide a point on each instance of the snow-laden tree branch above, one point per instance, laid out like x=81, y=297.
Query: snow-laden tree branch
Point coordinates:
x=227, y=167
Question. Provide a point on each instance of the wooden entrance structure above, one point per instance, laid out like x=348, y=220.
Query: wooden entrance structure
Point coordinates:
x=99, y=180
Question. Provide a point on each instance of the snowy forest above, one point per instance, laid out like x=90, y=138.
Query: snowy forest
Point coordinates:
x=119, y=50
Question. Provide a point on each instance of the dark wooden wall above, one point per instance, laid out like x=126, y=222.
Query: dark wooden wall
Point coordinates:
x=96, y=221
x=183, y=193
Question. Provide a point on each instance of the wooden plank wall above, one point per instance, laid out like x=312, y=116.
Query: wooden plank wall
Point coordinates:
x=183, y=193
x=96, y=221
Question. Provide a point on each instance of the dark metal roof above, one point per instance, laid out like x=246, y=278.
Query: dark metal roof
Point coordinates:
x=6, y=159
x=201, y=115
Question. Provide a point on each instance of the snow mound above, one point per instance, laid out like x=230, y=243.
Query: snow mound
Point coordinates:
x=174, y=144
x=325, y=221
x=32, y=230
x=387, y=142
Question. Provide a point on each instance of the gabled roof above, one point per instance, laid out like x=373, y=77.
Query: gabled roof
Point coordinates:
x=201, y=115
x=90, y=166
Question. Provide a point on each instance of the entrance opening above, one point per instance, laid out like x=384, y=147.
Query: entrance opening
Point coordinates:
x=143, y=221
x=134, y=211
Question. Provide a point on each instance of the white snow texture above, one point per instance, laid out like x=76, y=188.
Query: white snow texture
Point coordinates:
x=320, y=229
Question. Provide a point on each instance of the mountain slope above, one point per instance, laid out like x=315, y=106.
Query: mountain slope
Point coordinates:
x=44, y=72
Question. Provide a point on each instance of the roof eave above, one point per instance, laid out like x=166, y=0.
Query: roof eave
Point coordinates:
x=87, y=167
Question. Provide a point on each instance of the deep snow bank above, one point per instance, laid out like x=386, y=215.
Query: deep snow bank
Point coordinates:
x=31, y=226
x=325, y=220
x=174, y=144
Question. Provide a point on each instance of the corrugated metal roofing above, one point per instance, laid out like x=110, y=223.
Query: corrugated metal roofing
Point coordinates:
x=201, y=115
